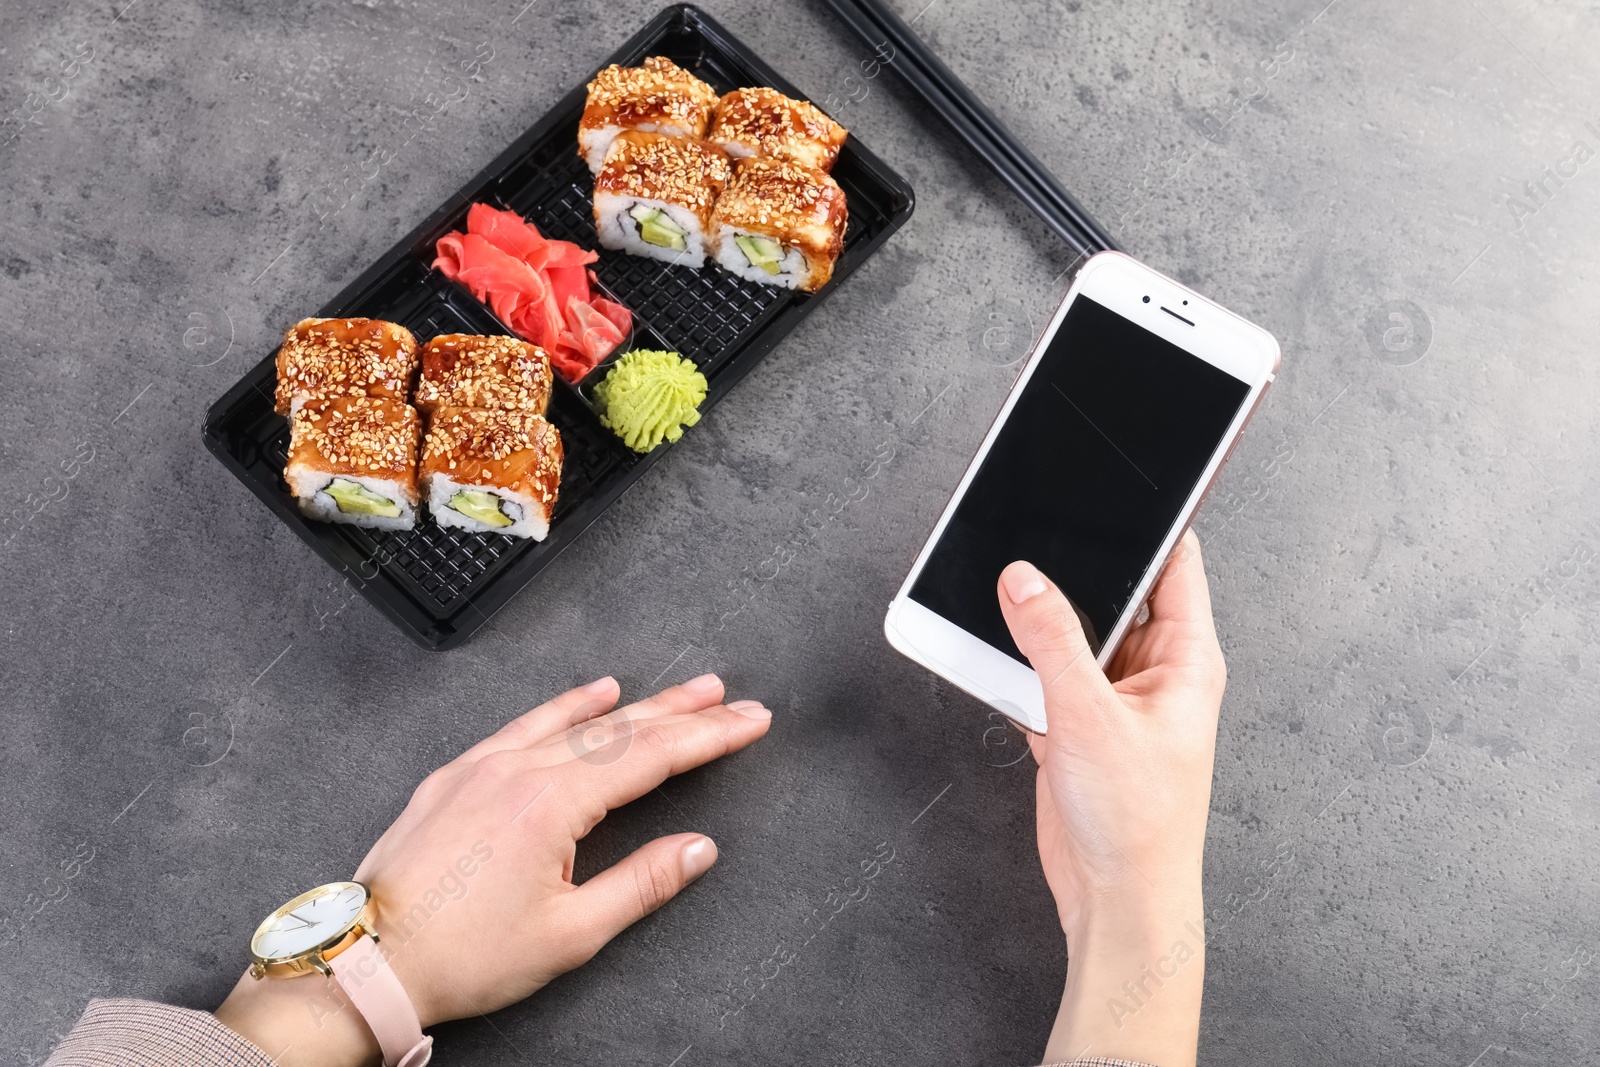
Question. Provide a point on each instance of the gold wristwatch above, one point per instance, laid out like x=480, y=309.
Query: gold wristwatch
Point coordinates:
x=313, y=928
x=328, y=930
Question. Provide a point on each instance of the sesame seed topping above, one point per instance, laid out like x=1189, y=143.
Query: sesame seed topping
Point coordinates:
x=652, y=166
x=356, y=433
x=513, y=450
x=767, y=123
x=484, y=372
x=344, y=357
x=797, y=205
x=656, y=91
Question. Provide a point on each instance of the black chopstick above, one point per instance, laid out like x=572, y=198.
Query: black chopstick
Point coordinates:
x=974, y=123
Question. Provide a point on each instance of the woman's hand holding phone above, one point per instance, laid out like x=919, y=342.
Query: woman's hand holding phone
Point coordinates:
x=476, y=904
x=1124, y=788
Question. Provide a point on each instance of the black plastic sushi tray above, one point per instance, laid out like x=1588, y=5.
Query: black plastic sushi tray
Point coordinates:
x=440, y=585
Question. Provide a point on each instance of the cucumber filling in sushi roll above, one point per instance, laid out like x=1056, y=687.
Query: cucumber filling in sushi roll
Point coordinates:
x=353, y=498
x=763, y=252
x=759, y=258
x=516, y=511
x=380, y=503
x=657, y=228
x=488, y=508
x=653, y=229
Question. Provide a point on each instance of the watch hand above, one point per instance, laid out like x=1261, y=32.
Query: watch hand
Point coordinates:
x=292, y=915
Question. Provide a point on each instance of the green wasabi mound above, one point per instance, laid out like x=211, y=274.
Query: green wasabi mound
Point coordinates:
x=648, y=397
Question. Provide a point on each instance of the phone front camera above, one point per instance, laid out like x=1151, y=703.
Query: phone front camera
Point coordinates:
x=1147, y=300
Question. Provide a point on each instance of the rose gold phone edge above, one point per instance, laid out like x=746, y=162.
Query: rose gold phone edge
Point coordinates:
x=1028, y=710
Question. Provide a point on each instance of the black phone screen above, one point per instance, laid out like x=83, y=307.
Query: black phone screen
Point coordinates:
x=1086, y=477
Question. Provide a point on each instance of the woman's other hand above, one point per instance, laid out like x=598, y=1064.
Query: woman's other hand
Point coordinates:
x=475, y=904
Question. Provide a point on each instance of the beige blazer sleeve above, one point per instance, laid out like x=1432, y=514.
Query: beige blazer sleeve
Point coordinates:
x=137, y=1033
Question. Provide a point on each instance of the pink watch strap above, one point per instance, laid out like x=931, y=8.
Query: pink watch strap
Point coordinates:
x=371, y=985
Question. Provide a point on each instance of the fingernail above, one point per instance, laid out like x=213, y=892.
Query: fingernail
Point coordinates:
x=598, y=688
x=1023, y=582
x=751, y=709
x=706, y=683
x=698, y=856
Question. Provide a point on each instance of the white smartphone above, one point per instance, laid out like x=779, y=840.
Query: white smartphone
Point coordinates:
x=1118, y=424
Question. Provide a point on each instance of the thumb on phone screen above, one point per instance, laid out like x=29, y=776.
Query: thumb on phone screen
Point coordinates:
x=1047, y=630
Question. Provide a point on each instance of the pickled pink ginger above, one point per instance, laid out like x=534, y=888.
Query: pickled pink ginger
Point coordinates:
x=539, y=287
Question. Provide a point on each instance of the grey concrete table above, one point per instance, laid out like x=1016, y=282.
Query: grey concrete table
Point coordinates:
x=200, y=719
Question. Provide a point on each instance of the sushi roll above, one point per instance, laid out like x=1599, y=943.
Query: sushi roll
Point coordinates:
x=764, y=122
x=655, y=194
x=658, y=97
x=353, y=459
x=779, y=223
x=344, y=357
x=492, y=471
x=466, y=371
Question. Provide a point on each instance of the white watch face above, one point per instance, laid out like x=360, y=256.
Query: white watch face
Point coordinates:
x=309, y=920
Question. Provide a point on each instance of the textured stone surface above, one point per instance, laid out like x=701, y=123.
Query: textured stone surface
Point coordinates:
x=1402, y=556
